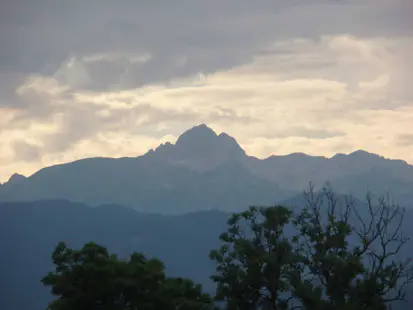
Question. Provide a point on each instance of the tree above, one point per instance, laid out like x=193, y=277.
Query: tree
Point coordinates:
x=349, y=253
x=253, y=264
x=338, y=256
x=91, y=278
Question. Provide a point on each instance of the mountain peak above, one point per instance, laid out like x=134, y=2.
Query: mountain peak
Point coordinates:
x=197, y=134
x=360, y=153
x=201, y=148
x=15, y=178
x=202, y=139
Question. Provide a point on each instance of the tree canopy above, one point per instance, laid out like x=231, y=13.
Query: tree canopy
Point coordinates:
x=331, y=255
x=91, y=278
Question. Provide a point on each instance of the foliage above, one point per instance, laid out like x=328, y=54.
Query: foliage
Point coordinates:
x=253, y=264
x=338, y=257
x=349, y=257
x=91, y=278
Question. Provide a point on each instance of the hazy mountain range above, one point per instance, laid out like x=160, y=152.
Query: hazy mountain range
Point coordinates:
x=31, y=230
x=204, y=171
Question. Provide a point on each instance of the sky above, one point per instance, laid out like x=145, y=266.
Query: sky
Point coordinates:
x=116, y=78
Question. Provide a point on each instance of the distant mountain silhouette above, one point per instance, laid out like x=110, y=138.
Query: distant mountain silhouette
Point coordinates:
x=203, y=171
x=16, y=178
x=200, y=149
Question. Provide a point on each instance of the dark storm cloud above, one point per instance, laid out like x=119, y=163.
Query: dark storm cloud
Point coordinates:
x=8, y=84
x=39, y=35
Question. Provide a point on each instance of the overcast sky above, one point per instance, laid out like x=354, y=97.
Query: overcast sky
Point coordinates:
x=116, y=78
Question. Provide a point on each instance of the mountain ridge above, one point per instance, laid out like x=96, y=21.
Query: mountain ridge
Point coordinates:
x=205, y=170
x=203, y=127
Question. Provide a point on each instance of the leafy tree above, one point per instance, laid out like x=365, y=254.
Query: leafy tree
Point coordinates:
x=349, y=253
x=254, y=262
x=91, y=278
x=339, y=256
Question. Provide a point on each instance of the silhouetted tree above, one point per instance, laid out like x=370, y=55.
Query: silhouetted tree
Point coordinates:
x=349, y=253
x=338, y=256
x=91, y=278
x=254, y=262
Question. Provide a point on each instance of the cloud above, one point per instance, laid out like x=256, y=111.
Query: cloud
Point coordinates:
x=405, y=140
x=300, y=132
x=80, y=79
x=26, y=152
x=199, y=35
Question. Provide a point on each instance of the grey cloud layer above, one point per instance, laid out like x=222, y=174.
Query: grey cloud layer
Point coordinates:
x=184, y=37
